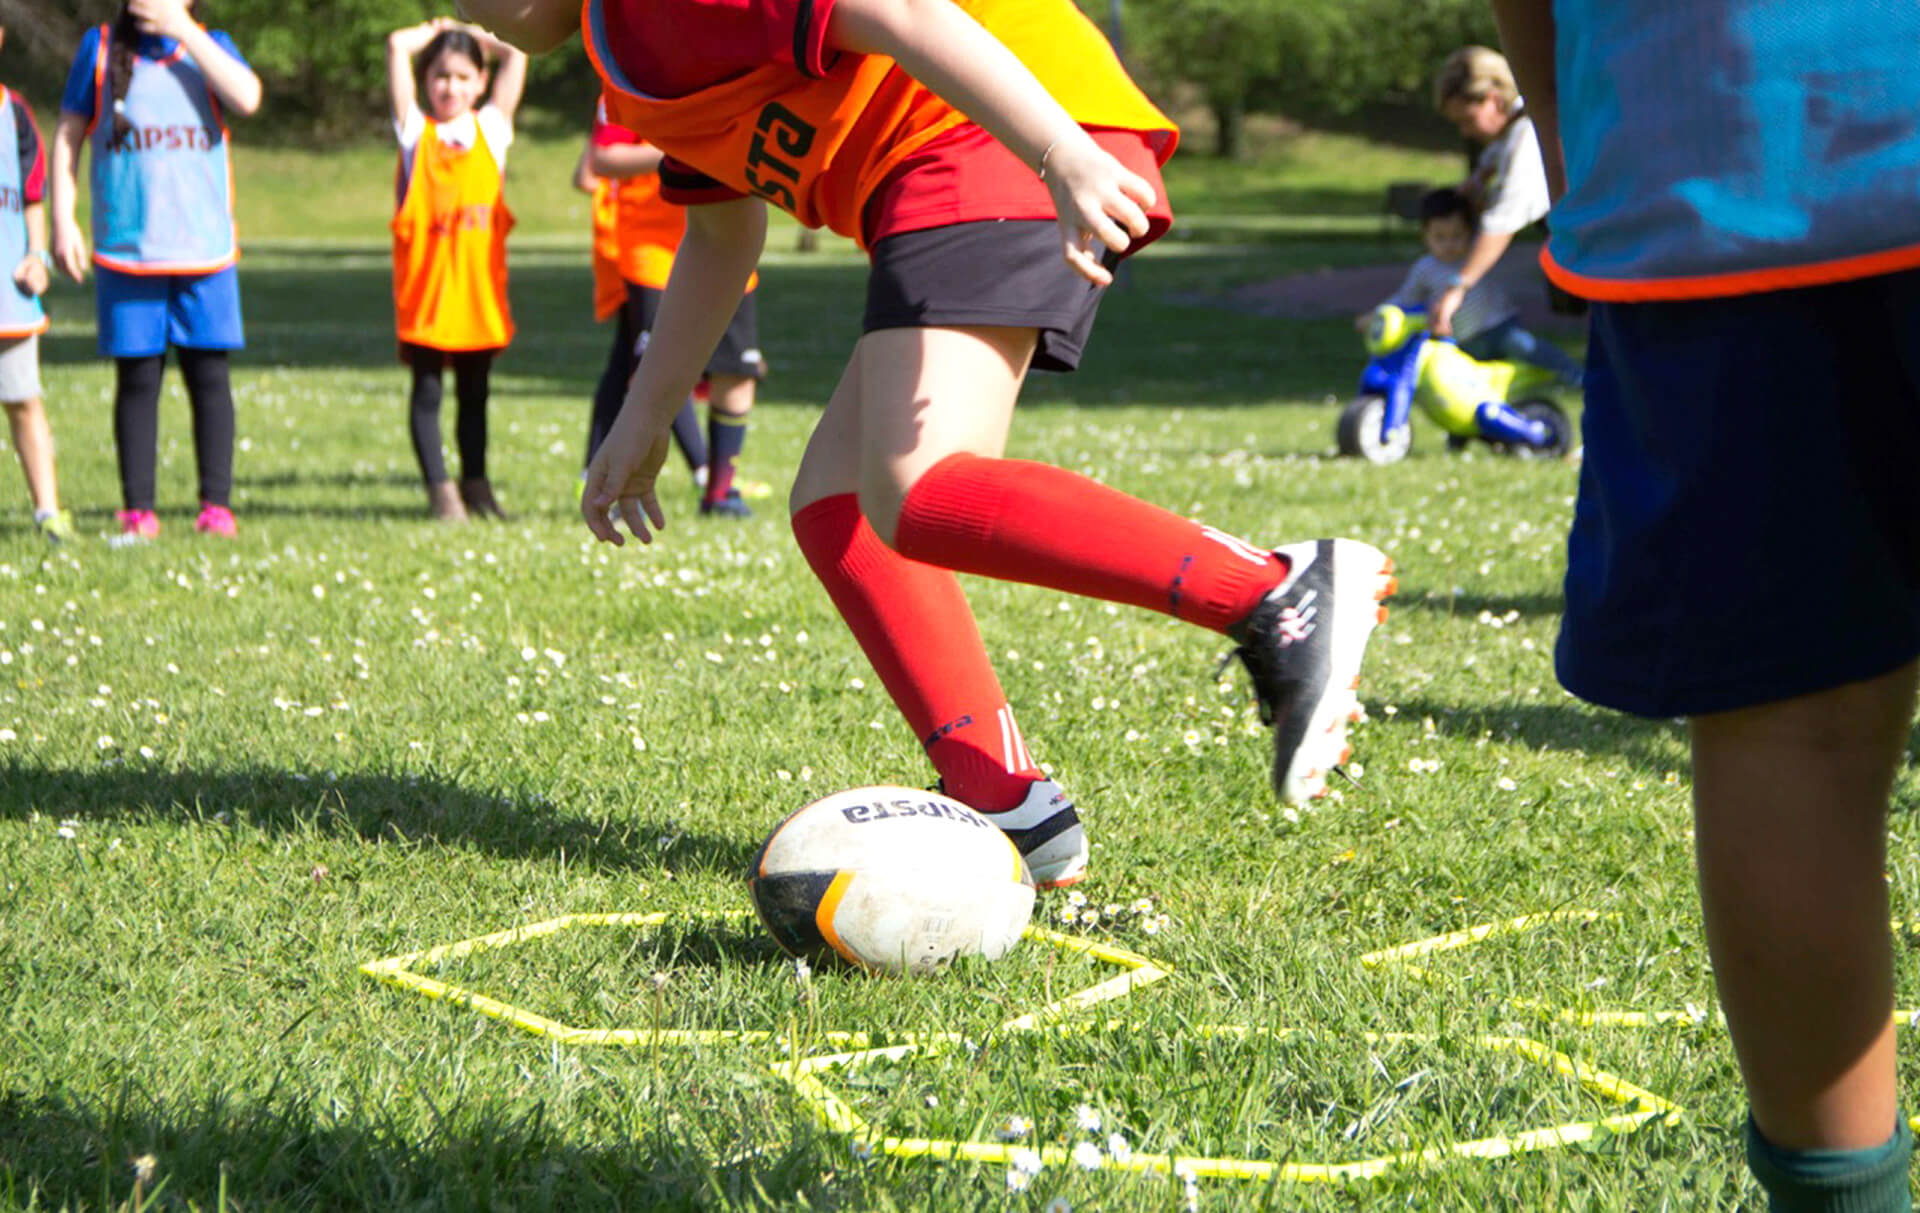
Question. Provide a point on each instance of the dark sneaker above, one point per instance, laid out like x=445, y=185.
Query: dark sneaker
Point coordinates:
x=1303, y=645
x=1045, y=829
x=476, y=494
x=730, y=506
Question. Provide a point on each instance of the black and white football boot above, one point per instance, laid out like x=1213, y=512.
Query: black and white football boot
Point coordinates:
x=1303, y=645
x=1045, y=829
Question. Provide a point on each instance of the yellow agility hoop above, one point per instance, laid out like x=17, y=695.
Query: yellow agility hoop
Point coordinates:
x=398, y=972
x=1641, y=1107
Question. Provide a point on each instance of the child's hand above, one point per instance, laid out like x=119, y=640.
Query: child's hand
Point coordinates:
x=1440, y=319
x=70, y=250
x=1098, y=201
x=32, y=275
x=621, y=484
x=167, y=18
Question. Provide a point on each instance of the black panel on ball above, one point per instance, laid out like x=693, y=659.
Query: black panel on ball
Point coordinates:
x=788, y=903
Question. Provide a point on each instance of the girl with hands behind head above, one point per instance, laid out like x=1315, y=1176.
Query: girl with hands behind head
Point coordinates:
x=449, y=240
x=994, y=180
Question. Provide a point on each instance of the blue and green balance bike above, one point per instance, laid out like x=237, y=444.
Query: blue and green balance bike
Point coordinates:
x=1503, y=404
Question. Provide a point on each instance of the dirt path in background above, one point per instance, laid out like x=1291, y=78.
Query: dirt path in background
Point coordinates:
x=1345, y=292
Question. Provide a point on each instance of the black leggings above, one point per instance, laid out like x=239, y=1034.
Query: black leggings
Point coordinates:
x=471, y=370
x=611, y=392
x=136, y=423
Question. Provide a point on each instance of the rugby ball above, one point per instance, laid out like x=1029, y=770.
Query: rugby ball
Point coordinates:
x=893, y=880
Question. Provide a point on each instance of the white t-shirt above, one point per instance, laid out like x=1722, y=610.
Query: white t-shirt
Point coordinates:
x=488, y=120
x=1512, y=179
x=1485, y=305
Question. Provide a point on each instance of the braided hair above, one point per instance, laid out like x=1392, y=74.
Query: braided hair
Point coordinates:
x=123, y=41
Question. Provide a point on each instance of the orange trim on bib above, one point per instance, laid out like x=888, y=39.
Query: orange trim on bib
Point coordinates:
x=165, y=269
x=1720, y=286
x=34, y=331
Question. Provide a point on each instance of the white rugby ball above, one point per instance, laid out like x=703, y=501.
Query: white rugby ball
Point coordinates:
x=891, y=879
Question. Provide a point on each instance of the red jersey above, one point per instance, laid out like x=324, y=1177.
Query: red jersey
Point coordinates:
x=849, y=141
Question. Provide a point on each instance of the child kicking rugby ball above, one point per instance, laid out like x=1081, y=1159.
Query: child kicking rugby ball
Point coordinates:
x=995, y=161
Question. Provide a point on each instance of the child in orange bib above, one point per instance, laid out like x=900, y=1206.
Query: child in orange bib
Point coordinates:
x=450, y=240
x=636, y=232
x=990, y=243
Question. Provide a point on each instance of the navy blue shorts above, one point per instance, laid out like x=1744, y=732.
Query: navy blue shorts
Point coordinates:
x=1748, y=525
x=140, y=315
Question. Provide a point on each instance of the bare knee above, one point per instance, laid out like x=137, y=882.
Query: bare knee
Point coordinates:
x=883, y=497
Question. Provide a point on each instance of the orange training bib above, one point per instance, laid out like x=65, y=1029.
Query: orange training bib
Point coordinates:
x=450, y=248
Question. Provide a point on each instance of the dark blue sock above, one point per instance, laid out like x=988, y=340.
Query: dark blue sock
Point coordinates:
x=726, y=436
x=686, y=436
x=1873, y=1180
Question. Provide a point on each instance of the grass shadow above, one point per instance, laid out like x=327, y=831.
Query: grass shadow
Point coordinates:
x=1567, y=726
x=273, y=1150
x=372, y=807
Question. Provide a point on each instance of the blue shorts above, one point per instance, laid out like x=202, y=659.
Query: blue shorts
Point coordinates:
x=140, y=315
x=1748, y=525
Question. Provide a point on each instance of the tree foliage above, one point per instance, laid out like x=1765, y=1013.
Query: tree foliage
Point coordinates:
x=1305, y=58
x=323, y=61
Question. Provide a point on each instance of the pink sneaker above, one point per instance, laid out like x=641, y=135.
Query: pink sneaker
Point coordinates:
x=138, y=526
x=215, y=520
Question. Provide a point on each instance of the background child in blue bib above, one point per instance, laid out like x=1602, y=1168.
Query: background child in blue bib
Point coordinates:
x=149, y=94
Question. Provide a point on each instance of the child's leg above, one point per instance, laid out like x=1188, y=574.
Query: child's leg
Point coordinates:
x=729, y=401
x=210, y=393
x=423, y=412
x=472, y=372
x=33, y=443
x=1516, y=344
x=611, y=391
x=932, y=417
x=947, y=690
x=932, y=484
x=1790, y=808
x=136, y=426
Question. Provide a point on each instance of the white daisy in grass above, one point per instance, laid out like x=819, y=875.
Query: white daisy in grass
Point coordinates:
x=1505, y=783
x=1017, y=1180
x=1059, y=1204
x=1119, y=1149
x=1027, y=1162
x=1086, y=1119
x=1016, y=1128
x=1088, y=1157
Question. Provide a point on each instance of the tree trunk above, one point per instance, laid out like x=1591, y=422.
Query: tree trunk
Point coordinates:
x=1229, y=125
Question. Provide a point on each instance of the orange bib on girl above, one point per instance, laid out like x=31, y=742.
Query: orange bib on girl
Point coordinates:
x=636, y=233
x=450, y=248
x=817, y=148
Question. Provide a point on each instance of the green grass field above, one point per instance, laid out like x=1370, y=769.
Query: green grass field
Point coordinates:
x=231, y=773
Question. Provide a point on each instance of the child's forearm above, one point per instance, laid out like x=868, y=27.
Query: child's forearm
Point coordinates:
x=232, y=81
x=948, y=51
x=717, y=256
x=1488, y=248
x=62, y=182
x=623, y=160
x=535, y=26
x=509, y=76
x=36, y=216
x=1527, y=31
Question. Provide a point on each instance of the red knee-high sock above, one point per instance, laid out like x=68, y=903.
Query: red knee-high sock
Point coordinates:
x=914, y=624
x=1030, y=522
